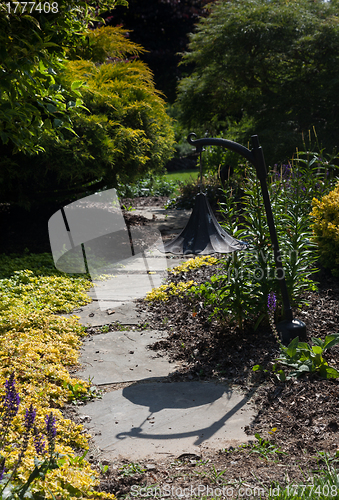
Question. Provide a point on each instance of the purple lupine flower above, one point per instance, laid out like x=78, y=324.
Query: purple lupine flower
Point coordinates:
x=11, y=400
x=286, y=173
x=51, y=433
x=29, y=418
x=50, y=426
x=271, y=302
x=2, y=469
x=39, y=443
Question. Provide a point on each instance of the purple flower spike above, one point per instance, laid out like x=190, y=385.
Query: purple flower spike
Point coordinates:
x=39, y=443
x=271, y=302
x=29, y=418
x=2, y=469
x=11, y=400
x=50, y=425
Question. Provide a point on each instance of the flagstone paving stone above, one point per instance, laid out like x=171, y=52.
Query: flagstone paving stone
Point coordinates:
x=167, y=419
x=122, y=356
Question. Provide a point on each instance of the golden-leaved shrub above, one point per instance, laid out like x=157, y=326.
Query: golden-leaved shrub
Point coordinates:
x=325, y=215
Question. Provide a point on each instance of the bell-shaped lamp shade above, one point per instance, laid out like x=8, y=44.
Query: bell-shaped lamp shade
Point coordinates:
x=202, y=234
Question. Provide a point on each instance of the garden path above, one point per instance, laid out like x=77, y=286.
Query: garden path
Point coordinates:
x=142, y=413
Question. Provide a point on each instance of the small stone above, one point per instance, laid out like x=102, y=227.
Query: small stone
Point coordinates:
x=85, y=418
x=150, y=467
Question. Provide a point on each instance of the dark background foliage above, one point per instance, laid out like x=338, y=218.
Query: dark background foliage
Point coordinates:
x=266, y=68
x=162, y=28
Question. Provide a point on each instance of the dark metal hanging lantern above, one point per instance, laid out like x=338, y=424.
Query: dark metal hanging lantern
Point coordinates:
x=202, y=234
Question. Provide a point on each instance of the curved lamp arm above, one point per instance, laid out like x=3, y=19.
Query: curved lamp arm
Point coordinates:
x=256, y=157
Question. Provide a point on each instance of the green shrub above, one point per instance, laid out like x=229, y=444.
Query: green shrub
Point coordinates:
x=149, y=186
x=325, y=215
x=257, y=66
x=189, y=189
x=303, y=358
x=123, y=130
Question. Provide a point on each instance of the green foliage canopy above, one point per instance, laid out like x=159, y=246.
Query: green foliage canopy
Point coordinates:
x=122, y=131
x=265, y=67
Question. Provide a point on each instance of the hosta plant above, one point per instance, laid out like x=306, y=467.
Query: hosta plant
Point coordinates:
x=303, y=358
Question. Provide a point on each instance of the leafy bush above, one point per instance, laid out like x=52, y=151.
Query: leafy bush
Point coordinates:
x=325, y=215
x=33, y=51
x=303, y=358
x=123, y=131
x=163, y=292
x=257, y=66
x=189, y=189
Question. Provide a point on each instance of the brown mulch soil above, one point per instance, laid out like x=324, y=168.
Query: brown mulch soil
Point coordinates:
x=303, y=411
x=147, y=201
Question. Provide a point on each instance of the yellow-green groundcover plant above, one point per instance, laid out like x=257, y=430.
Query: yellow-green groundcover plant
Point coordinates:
x=163, y=292
x=325, y=214
x=39, y=346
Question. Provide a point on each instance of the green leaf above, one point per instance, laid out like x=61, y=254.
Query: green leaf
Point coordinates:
x=304, y=346
x=292, y=347
x=32, y=20
x=317, y=349
x=317, y=341
x=304, y=368
x=76, y=84
x=4, y=137
x=57, y=122
x=51, y=108
x=256, y=368
x=331, y=340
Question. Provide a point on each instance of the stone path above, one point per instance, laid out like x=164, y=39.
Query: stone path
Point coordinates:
x=149, y=416
x=114, y=357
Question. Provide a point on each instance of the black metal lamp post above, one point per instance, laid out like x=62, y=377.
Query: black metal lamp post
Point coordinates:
x=289, y=328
